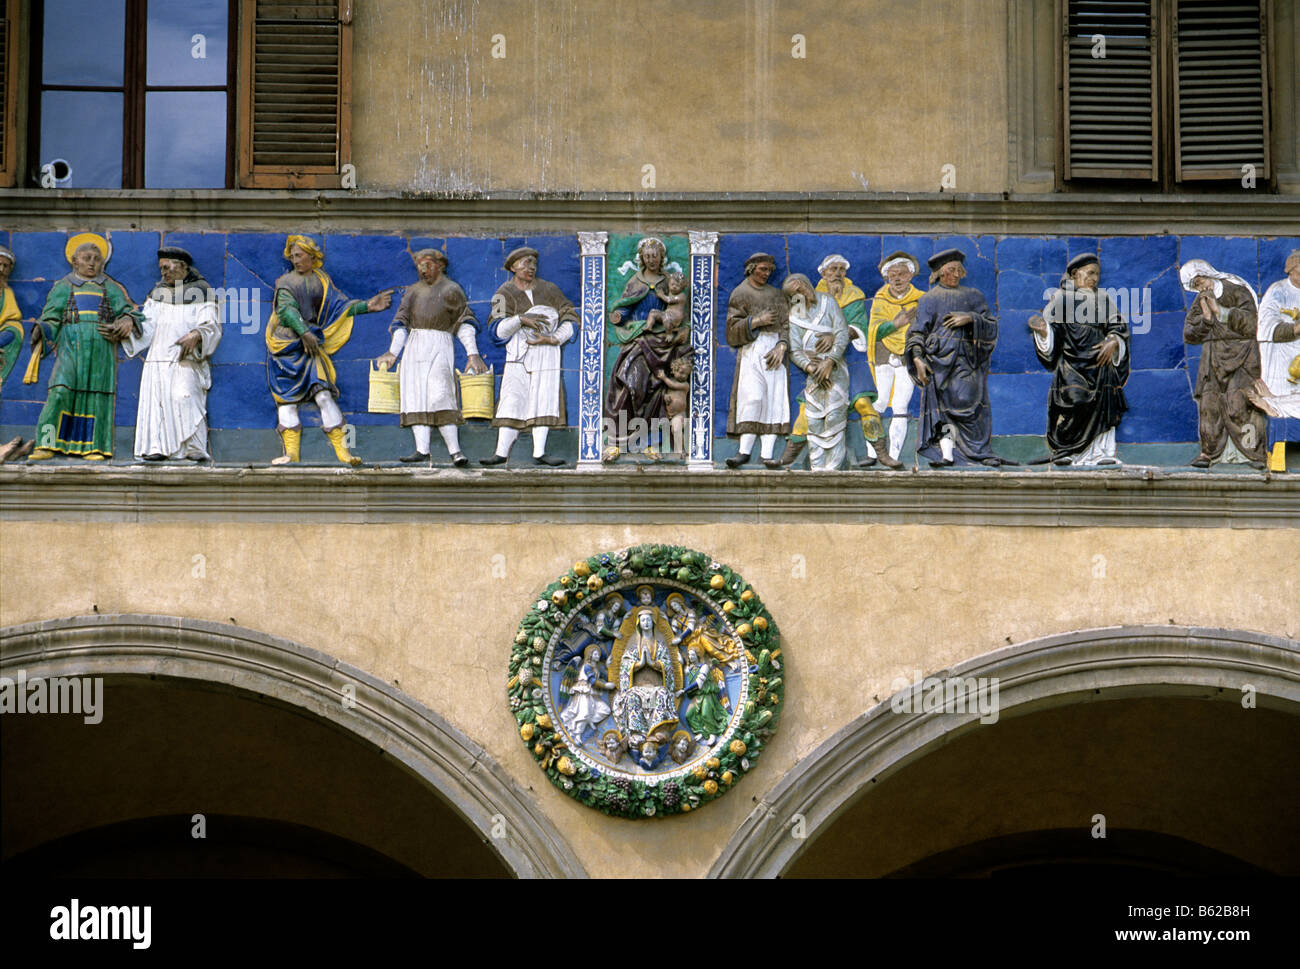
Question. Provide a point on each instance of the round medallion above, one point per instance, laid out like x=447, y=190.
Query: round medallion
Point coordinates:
x=646, y=681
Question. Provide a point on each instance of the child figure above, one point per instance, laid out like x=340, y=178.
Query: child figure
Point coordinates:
x=673, y=317
x=676, y=400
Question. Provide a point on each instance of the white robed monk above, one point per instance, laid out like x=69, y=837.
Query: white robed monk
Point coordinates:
x=181, y=330
x=1278, y=330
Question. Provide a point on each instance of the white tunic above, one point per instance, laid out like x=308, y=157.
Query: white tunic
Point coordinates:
x=172, y=417
x=531, y=381
x=762, y=395
x=1275, y=358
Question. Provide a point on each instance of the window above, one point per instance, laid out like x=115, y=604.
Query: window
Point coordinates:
x=145, y=93
x=131, y=93
x=8, y=85
x=1168, y=91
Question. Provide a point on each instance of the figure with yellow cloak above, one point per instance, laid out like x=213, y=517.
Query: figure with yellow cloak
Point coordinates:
x=649, y=684
x=11, y=318
x=862, y=382
x=893, y=308
x=311, y=321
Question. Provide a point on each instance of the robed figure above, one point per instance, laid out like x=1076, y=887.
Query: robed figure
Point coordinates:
x=182, y=327
x=1223, y=319
x=85, y=317
x=948, y=351
x=1084, y=341
x=649, y=684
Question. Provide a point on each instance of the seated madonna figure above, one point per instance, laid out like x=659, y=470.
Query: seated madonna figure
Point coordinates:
x=648, y=343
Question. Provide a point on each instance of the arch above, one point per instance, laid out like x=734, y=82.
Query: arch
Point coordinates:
x=1061, y=670
x=250, y=662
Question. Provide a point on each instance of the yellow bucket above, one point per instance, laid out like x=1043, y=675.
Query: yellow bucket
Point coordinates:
x=385, y=390
x=477, y=394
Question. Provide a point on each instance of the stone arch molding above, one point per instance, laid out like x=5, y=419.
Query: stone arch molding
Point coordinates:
x=451, y=763
x=1077, y=667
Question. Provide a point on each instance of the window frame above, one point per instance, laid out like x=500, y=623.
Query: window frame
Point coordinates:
x=1166, y=164
x=135, y=90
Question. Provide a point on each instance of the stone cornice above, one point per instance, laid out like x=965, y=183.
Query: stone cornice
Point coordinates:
x=523, y=213
x=1127, y=499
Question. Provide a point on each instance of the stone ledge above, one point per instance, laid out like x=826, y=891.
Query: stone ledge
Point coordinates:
x=564, y=213
x=1134, y=497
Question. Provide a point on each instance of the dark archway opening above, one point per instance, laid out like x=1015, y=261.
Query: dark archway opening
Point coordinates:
x=1181, y=785
x=283, y=793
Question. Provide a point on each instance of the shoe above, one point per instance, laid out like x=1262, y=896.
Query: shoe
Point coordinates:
x=942, y=463
x=292, y=438
x=459, y=460
x=1257, y=465
x=773, y=464
x=1062, y=462
x=736, y=460
x=155, y=457
x=1108, y=462
x=95, y=457
x=41, y=454
x=413, y=458
x=792, y=451
x=547, y=460
x=493, y=460
x=1202, y=461
x=341, y=450
x=611, y=454
x=651, y=453
x=991, y=462
x=884, y=457
x=867, y=462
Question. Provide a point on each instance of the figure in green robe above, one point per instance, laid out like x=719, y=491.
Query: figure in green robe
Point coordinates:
x=85, y=317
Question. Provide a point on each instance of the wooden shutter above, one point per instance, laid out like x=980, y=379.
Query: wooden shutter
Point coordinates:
x=1220, y=89
x=1110, y=117
x=8, y=91
x=295, y=93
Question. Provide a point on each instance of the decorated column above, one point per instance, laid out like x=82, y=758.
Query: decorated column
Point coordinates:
x=591, y=353
x=704, y=247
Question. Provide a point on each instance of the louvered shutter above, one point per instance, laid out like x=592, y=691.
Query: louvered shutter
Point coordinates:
x=1220, y=89
x=8, y=90
x=1109, y=102
x=296, y=78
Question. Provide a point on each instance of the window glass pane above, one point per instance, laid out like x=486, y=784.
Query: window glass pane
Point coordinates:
x=85, y=129
x=187, y=42
x=185, y=139
x=84, y=42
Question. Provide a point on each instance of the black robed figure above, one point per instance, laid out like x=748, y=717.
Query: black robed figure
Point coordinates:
x=1085, y=342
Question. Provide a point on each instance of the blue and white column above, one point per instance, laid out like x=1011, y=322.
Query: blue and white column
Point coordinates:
x=591, y=350
x=704, y=248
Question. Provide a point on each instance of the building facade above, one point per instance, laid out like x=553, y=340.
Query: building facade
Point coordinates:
x=316, y=656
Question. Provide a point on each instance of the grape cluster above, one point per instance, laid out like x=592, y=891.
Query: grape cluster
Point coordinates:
x=672, y=795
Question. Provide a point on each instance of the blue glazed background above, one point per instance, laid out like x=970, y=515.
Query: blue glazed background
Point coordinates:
x=1012, y=272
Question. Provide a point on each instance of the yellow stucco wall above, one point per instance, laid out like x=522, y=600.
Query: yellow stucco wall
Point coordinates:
x=433, y=610
x=710, y=94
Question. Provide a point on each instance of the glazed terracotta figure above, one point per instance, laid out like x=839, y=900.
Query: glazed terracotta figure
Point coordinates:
x=311, y=322
x=948, y=351
x=757, y=329
x=1084, y=340
x=432, y=310
x=818, y=338
x=533, y=320
x=1223, y=320
x=182, y=328
x=86, y=316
